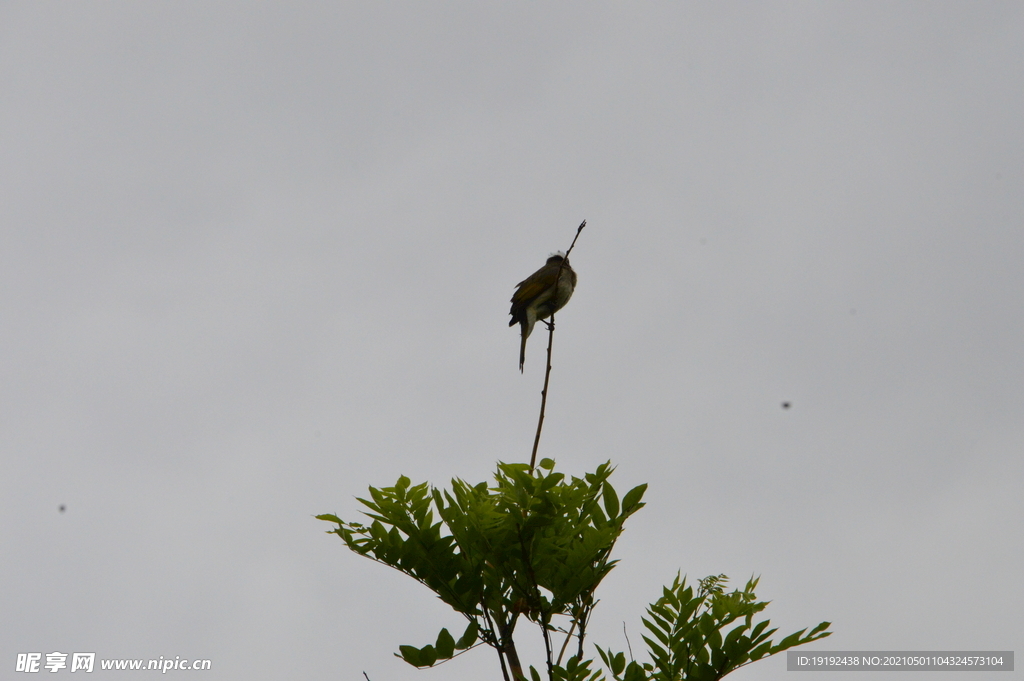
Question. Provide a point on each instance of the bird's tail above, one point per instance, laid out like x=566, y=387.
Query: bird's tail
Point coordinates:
x=522, y=348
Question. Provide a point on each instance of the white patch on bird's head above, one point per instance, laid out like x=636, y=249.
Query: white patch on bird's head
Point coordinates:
x=557, y=256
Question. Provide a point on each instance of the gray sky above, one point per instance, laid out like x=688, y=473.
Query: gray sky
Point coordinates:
x=257, y=257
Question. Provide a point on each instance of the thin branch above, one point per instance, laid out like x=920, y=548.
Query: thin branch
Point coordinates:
x=582, y=633
x=544, y=622
x=543, y=394
x=573, y=244
x=501, y=644
x=551, y=339
x=568, y=637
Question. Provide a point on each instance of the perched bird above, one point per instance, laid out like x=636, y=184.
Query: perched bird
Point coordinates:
x=538, y=297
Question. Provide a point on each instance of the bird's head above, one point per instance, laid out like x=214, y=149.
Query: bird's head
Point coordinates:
x=556, y=258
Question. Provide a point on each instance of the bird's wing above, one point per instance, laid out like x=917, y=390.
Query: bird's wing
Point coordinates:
x=530, y=289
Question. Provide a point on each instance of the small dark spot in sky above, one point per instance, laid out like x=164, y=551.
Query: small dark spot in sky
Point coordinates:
x=63, y=508
x=785, y=405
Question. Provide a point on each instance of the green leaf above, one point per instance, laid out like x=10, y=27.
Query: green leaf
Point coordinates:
x=468, y=638
x=656, y=651
x=631, y=501
x=733, y=636
x=634, y=672
x=331, y=518
x=766, y=635
x=611, y=500
x=428, y=656
x=547, y=464
x=445, y=645
x=714, y=638
x=618, y=663
x=758, y=628
x=411, y=654
x=378, y=532
x=788, y=642
x=658, y=626
x=820, y=627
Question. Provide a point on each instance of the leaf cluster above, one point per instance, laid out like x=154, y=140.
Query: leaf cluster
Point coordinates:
x=688, y=640
x=533, y=545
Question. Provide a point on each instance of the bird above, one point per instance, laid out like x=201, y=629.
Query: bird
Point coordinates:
x=540, y=295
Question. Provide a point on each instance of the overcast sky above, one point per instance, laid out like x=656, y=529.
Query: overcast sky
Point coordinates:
x=255, y=257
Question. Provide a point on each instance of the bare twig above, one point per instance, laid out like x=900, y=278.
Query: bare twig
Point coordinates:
x=500, y=647
x=551, y=339
x=544, y=623
x=568, y=637
x=583, y=631
x=543, y=394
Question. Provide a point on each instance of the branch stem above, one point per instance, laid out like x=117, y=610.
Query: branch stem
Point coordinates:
x=551, y=340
